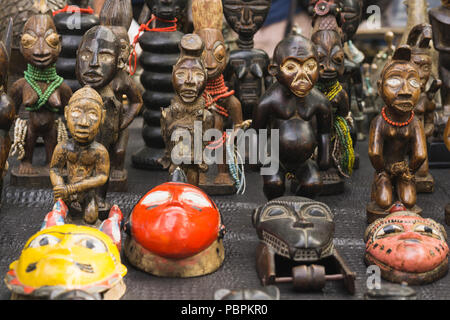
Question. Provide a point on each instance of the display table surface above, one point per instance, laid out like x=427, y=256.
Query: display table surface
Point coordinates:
x=23, y=211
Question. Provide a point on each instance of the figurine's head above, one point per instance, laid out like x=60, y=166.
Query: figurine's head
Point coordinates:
x=330, y=54
x=189, y=74
x=84, y=114
x=351, y=16
x=65, y=257
x=179, y=228
x=207, y=16
x=97, y=57
x=296, y=228
x=40, y=44
x=79, y=3
x=407, y=247
x=246, y=17
x=166, y=9
x=419, y=39
x=399, y=85
x=5, y=54
x=295, y=64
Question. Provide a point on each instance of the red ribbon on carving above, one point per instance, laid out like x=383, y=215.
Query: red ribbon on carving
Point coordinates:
x=144, y=27
x=73, y=9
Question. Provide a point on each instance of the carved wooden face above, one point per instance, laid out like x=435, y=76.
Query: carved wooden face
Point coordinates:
x=189, y=80
x=423, y=63
x=400, y=86
x=166, y=9
x=246, y=17
x=97, y=57
x=299, y=75
x=351, y=16
x=330, y=54
x=84, y=117
x=80, y=3
x=40, y=44
x=215, y=53
x=406, y=243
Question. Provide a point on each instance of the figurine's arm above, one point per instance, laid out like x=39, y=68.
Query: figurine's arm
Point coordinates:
x=358, y=86
x=56, y=166
x=429, y=118
x=165, y=119
x=135, y=103
x=235, y=110
x=15, y=92
x=261, y=114
x=342, y=104
x=324, y=129
x=376, y=143
x=447, y=135
x=419, y=147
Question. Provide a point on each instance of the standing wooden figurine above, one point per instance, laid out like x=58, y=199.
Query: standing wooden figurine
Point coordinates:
x=43, y=94
x=7, y=110
x=397, y=145
x=159, y=44
x=187, y=109
x=87, y=161
x=207, y=16
x=246, y=71
x=419, y=39
x=97, y=66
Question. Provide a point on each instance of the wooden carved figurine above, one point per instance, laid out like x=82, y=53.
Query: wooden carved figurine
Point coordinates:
x=87, y=161
x=97, y=66
x=246, y=71
x=40, y=96
x=71, y=23
x=160, y=52
x=407, y=248
x=7, y=109
x=296, y=245
x=447, y=144
x=294, y=106
x=69, y=262
x=175, y=230
x=397, y=145
x=327, y=37
x=419, y=40
x=207, y=16
x=187, y=109
x=117, y=16
x=440, y=21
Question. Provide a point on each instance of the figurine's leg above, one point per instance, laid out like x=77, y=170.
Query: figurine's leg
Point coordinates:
x=383, y=192
x=406, y=190
x=118, y=156
x=90, y=207
x=423, y=170
x=309, y=178
x=26, y=166
x=274, y=185
x=50, y=141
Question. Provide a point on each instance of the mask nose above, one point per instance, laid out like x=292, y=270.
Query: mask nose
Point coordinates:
x=94, y=60
x=303, y=224
x=246, y=16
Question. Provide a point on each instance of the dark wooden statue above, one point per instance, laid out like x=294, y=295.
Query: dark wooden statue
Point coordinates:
x=246, y=71
x=117, y=15
x=294, y=106
x=440, y=21
x=97, y=66
x=207, y=17
x=71, y=23
x=87, y=161
x=160, y=52
x=7, y=110
x=40, y=96
x=397, y=145
x=447, y=144
x=327, y=37
x=419, y=40
x=187, y=110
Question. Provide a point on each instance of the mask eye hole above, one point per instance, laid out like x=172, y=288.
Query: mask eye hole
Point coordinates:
x=394, y=82
x=220, y=53
x=316, y=213
x=428, y=231
x=156, y=198
x=274, y=212
x=195, y=199
x=53, y=40
x=388, y=230
x=91, y=243
x=28, y=40
x=44, y=240
x=414, y=83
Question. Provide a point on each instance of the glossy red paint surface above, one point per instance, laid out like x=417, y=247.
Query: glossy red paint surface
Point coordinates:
x=175, y=220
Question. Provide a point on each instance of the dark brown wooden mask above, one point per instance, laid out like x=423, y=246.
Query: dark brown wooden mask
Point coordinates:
x=166, y=9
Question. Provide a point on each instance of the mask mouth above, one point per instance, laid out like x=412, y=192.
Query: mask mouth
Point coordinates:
x=42, y=59
x=328, y=75
x=404, y=106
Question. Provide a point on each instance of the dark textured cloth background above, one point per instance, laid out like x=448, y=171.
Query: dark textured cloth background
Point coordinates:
x=23, y=212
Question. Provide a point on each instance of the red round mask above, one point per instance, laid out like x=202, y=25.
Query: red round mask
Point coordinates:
x=175, y=220
x=406, y=243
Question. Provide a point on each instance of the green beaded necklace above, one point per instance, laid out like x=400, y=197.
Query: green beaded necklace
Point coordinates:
x=33, y=74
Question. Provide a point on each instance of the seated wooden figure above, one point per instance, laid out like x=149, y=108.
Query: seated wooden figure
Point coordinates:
x=187, y=108
x=87, y=161
x=294, y=106
x=39, y=97
x=419, y=39
x=397, y=145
